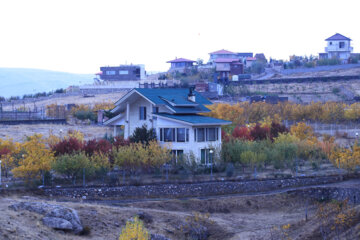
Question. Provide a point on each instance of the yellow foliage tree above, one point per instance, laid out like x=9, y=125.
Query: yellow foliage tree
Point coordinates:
x=134, y=230
x=103, y=106
x=346, y=158
x=303, y=132
x=75, y=134
x=7, y=148
x=36, y=159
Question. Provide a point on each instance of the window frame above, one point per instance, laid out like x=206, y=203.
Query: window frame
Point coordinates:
x=142, y=113
x=173, y=136
x=177, y=135
x=204, y=135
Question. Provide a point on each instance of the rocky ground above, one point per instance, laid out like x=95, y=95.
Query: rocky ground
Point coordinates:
x=231, y=217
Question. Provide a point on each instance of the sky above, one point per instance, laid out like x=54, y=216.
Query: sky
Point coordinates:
x=79, y=36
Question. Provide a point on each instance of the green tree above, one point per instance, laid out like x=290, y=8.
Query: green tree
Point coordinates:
x=143, y=135
x=71, y=165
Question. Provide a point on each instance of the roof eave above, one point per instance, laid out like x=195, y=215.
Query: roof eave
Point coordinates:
x=129, y=94
x=194, y=124
x=112, y=120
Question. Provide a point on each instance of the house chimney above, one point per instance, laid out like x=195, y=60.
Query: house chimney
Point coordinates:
x=191, y=95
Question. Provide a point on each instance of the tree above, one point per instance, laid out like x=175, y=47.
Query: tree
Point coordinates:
x=70, y=165
x=7, y=149
x=257, y=67
x=346, y=158
x=302, y=131
x=157, y=155
x=143, y=135
x=36, y=160
x=134, y=230
x=68, y=145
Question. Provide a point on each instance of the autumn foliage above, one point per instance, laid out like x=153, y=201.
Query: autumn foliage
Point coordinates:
x=245, y=113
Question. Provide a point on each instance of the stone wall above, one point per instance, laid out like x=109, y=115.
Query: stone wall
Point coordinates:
x=332, y=193
x=189, y=190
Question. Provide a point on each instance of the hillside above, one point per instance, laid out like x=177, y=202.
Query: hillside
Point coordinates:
x=20, y=81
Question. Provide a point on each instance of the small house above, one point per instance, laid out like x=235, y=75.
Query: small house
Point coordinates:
x=180, y=64
x=338, y=46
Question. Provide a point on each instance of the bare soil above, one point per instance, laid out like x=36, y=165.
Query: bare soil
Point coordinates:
x=79, y=99
x=19, y=132
x=236, y=217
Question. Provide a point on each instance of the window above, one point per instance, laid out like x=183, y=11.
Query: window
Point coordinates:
x=177, y=155
x=200, y=132
x=206, y=156
x=123, y=72
x=330, y=43
x=211, y=134
x=155, y=109
x=174, y=134
x=110, y=72
x=142, y=114
x=206, y=134
x=341, y=44
x=181, y=135
x=169, y=134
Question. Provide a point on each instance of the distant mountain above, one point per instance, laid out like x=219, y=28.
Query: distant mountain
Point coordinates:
x=20, y=81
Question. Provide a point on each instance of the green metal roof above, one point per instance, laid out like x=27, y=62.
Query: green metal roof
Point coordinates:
x=176, y=99
x=175, y=95
x=195, y=119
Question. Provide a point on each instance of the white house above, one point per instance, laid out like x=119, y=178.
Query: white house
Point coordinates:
x=174, y=114
x=338, y=46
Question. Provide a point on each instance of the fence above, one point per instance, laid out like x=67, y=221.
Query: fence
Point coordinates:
x=55, y=113
x=352, y=129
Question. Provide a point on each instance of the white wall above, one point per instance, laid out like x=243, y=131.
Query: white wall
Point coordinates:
x=192, y=145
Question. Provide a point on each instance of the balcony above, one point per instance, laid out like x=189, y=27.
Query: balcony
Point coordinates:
x=335, y=48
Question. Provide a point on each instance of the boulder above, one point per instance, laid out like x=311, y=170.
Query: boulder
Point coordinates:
x=57, y=223
x=55, y=216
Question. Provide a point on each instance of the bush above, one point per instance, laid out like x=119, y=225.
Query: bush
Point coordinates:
x=67, y=146
x=335, y=90
x=134, y=230
x=330, y=61
x=97, y=146
x=230, y=169
x=84, y=115
x=241, y=133
x=71, y=165
x=259, y=133
x=309, y=64
x=257, y=67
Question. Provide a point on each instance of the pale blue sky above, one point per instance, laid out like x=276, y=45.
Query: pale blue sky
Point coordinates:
x=81, y=35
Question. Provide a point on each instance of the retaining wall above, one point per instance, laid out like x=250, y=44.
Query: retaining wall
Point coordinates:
x=189, y=190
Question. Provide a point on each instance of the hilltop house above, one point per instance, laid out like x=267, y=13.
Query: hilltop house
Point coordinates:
x=338, y=46
x=180, y=64
x=222, y=54
x=227, y=67
x=174, y=115
x=122, y=73
x=249, y=61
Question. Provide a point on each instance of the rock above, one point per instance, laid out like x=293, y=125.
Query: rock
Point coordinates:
x=57, y=223
x=54, y=215
x=158, y=237
x=145, y=217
